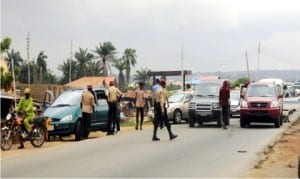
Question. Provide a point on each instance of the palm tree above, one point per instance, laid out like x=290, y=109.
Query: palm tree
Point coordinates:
x=83, y=58
x=13, y=56
x=94, y=68
x=142, y=75
x=65, y=69
x=121, y=66
x=41, y=66
x=106, y=52
x=130, y=60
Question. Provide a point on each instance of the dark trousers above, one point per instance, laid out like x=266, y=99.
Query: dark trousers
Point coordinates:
x=118, y=117
x=86, y=124
x=225, y=115
x=160, y=117
x=112, y=117
x=138, y=111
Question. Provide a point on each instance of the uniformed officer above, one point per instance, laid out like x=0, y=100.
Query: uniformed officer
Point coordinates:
x=88, y=109
x=139, y=105
x=161, y=104
x=113, y=94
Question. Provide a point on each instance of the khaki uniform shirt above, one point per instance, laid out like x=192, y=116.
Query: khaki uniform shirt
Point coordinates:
x=87, y=102
x=140, y=98
x=162, y=96
x=113, y=94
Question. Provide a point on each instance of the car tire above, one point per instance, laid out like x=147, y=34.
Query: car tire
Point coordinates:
x=77, y=130
x=277, y=123
x=177, y=116
x=242, y=122
x=191, y=122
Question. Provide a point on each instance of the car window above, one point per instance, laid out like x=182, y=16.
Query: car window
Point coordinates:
x=207, y=89
x=177, y=97
x=68, y=98
x=261, y=91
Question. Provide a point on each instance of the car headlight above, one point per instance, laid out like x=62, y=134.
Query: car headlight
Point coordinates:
x=215, y=105
x=274, y=104
x=244, y=104
x=66, y=118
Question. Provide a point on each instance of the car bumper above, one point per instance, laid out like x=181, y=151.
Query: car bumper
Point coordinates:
x=205, y=116
x=269, y=115
x=61, y=129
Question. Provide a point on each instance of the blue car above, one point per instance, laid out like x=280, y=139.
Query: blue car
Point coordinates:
x=66, y=116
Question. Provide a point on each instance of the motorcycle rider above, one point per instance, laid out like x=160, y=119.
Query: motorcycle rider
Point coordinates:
x=26, y=106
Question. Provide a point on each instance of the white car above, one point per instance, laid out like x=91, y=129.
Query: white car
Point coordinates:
x=178, y=106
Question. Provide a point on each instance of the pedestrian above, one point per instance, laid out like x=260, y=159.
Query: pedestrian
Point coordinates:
x=25, y=106
x=113, y=94
x=88, y=110
x=139, y=105
x=154, y=89
x=161, y=103
x=224, y=97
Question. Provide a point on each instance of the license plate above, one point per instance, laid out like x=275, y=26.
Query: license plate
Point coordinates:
x=204, y=113
x=50, y=128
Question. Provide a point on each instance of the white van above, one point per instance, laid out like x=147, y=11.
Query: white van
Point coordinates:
x=279, y=83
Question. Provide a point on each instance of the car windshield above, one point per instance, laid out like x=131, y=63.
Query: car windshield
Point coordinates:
x=207, y=89
x=68, y=98
x=177, y=97
x=261, y=91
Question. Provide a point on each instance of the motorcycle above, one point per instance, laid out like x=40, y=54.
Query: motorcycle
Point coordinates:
x=14, y=129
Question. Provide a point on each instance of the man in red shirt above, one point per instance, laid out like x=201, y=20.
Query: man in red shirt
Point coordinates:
x=224, y=103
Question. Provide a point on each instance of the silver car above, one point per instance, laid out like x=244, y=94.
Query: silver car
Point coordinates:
x=235, y=108
x=178, y=106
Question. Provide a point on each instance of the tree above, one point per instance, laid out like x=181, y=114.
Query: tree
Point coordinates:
x=130, y=60
x=15, y=57
x=121, y=66
x=106, y=52
x=94, y=68
x=83, y=58
x=5, y=44
x=41, y=67
x=65, y=69
x=6, y=79
x=142, y=75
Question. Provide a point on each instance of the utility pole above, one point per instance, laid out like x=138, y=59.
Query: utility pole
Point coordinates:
x=28, y=45
x=258, y=58
x=182, y=71
x=246, y=56
x=71, y=59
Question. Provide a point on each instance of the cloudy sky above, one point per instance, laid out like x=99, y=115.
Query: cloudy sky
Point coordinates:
x=214, y=33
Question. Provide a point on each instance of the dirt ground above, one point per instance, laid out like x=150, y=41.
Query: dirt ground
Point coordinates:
x=281, y=160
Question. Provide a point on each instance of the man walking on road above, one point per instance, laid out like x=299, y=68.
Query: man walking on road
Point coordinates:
x=161, y=103
x=88, y=110
x=224, y=103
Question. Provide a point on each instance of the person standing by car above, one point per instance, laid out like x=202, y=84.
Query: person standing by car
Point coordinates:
x=139, y=105
x=161, y=103
x=224, y=97
x=113, y=94
x=154, y=89
x=26, y=106
x=88, y=110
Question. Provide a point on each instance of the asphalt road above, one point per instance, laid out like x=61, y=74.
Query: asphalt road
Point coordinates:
x=198, y=152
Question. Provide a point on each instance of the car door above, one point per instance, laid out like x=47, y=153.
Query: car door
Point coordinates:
x=187, y=99
x=99, y=121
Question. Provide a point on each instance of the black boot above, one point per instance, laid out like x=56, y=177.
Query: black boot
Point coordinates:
x=155, y=138
x=172, y=136
x=21, y=146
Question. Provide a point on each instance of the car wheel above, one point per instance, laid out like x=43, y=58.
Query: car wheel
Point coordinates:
x=242, y=122
x=77, y=130
x=177, y=116
x=191, y=122
x=277, y=123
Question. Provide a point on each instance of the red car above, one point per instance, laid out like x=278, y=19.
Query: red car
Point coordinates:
x=261, y=103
